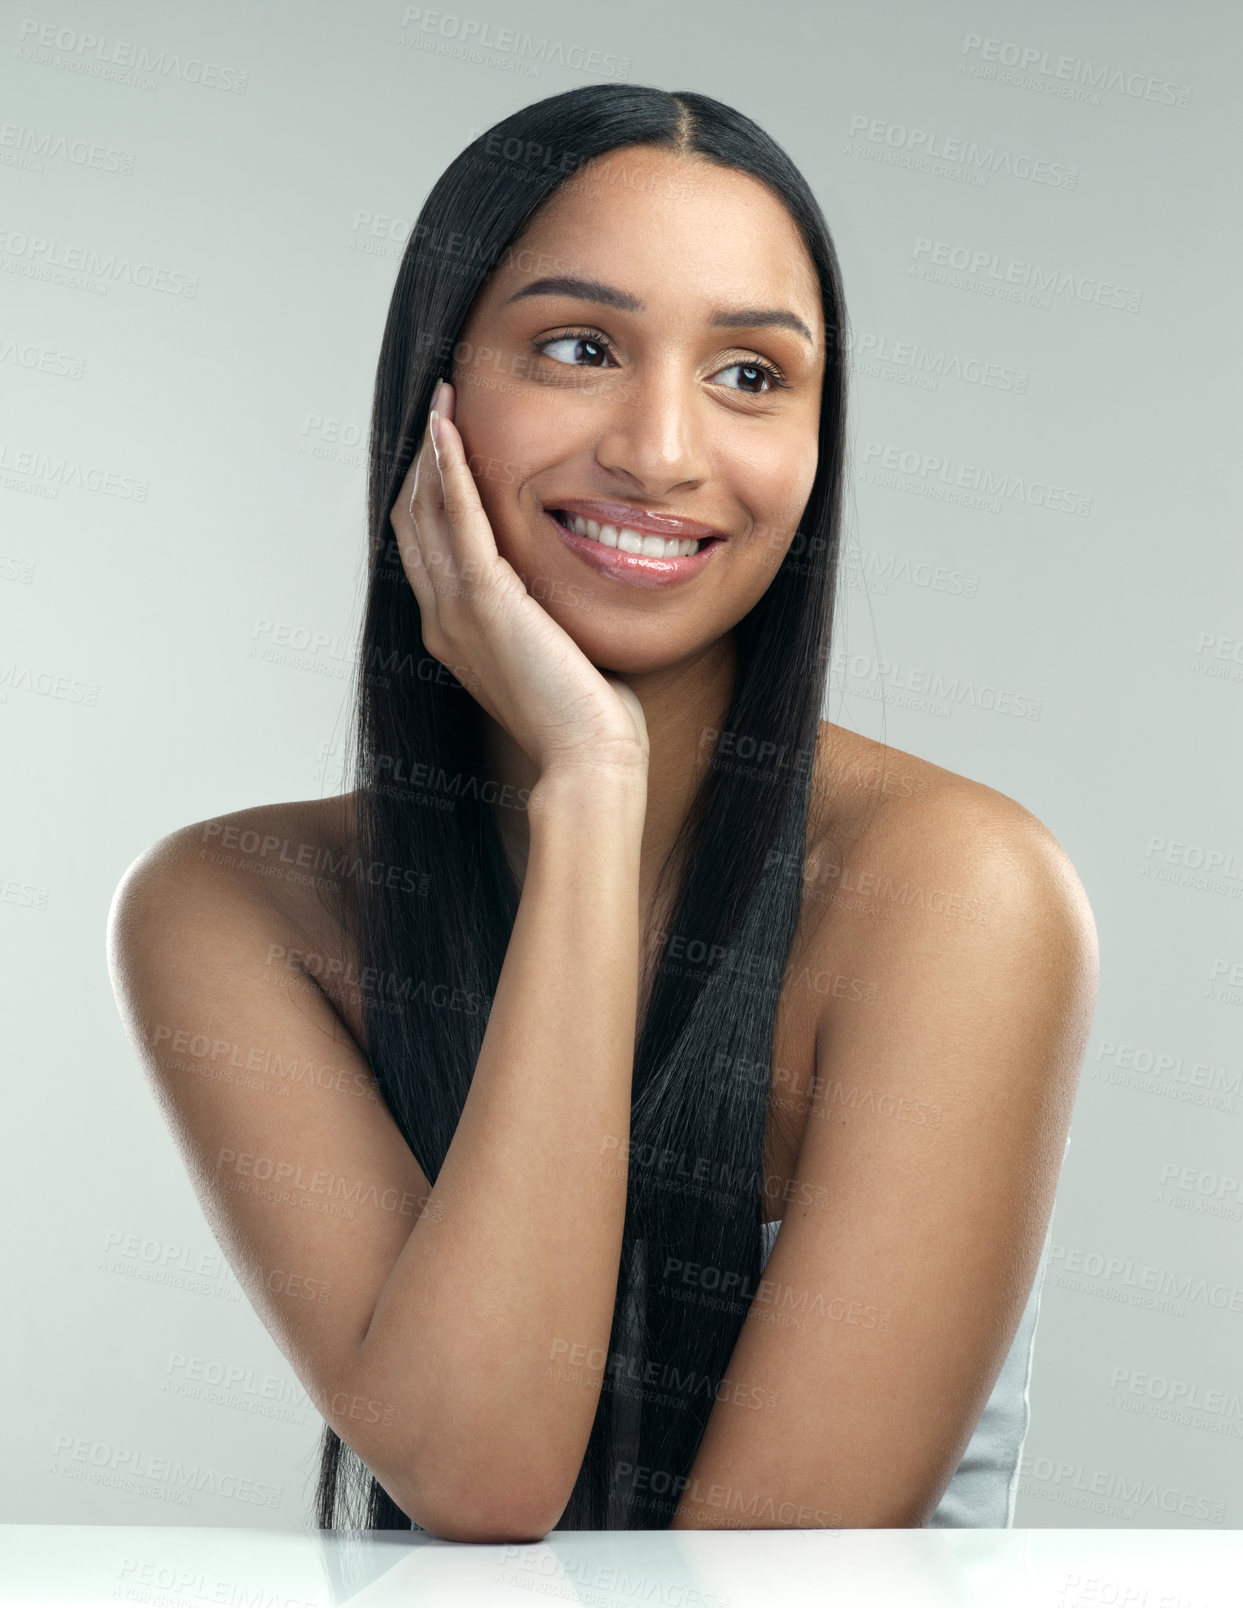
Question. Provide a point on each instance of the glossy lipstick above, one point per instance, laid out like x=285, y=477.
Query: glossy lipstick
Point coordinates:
x=636, y=569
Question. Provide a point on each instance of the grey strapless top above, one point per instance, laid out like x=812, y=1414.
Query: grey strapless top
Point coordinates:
x=984, y=1489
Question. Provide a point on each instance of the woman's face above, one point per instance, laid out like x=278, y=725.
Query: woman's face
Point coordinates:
x=656, y=384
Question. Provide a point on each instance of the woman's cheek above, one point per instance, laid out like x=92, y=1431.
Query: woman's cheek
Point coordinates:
x=778, y=511
x=792, y=485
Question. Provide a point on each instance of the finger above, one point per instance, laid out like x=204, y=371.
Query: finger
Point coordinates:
x=473, y=541
x=447, y=405
x=421, y=491
x=424, y=475
x=406, y=532
x=420, y=525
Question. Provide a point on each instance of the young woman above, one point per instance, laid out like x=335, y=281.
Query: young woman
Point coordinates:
x=498, y=1074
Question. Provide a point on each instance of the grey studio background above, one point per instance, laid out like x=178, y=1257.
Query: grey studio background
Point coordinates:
x=204, y=210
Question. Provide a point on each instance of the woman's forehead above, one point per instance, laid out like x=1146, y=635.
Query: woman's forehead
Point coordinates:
x=725, y=238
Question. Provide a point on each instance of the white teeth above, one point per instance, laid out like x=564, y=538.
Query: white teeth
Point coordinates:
x=633, y=541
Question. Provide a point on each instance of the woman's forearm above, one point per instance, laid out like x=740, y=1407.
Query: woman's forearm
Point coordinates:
x=491, y=1331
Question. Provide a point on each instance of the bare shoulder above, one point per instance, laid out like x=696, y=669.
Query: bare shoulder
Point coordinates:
x=304, y=1176
x=895, y=836
x=957, y=955
x=270, y=853
x=279, y=870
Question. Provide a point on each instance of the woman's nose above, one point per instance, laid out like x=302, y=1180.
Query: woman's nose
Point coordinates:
x=654, y=436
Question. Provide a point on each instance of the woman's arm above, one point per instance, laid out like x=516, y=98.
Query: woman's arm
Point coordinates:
x=424, y=1323
x=945, y=1079
x=510, y=1284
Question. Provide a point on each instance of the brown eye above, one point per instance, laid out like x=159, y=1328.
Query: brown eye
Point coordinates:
x=755, y=372
x=575, y=343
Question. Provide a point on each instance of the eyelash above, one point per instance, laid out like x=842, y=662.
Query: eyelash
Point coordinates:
x=774, y=374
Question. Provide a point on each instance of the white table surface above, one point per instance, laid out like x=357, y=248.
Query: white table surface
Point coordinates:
x=189, y=1567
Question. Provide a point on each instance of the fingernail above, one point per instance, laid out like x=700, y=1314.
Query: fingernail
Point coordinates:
x=435, y=424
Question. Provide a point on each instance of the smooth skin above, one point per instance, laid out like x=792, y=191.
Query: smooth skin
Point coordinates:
x=667, y=410
x=946, y=959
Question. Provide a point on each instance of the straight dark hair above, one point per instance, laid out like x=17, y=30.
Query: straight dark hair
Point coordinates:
x=704, y=1048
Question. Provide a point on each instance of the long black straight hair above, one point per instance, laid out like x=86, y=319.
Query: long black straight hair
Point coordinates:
x=704, y=1048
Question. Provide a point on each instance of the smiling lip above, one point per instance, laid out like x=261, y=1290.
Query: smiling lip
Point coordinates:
x=636, y=569
x=629, y=517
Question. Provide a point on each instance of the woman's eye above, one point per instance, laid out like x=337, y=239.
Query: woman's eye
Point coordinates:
x=574, y=342
x=590, y=351
x=754, y=372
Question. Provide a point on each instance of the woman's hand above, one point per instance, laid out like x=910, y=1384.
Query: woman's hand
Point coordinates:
x=477, y=616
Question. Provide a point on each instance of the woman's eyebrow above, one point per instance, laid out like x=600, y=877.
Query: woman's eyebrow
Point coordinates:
x=594, y=290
